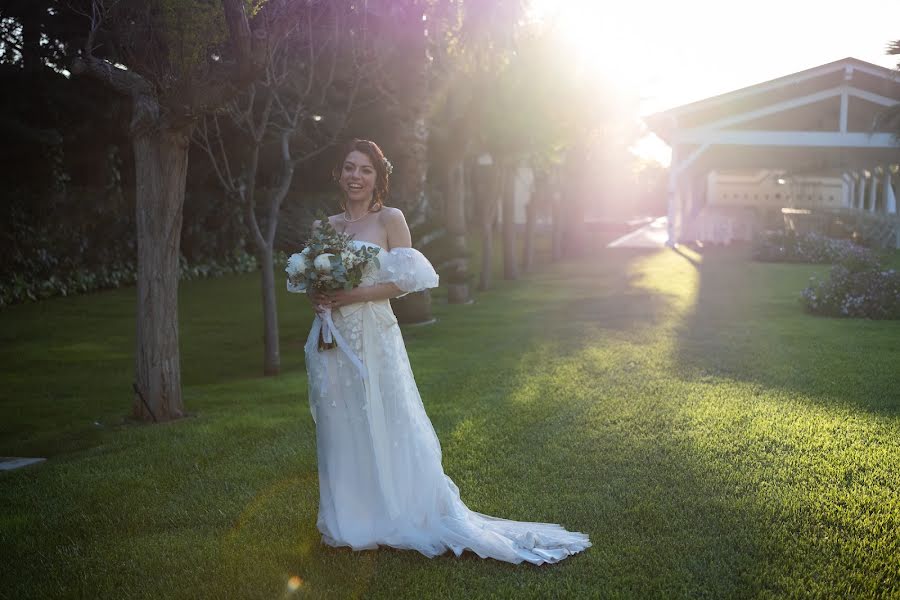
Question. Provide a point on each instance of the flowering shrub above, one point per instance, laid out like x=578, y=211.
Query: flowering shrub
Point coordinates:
x=789, y=246
x=120, y=274
x=858, y=286
x=86, y=240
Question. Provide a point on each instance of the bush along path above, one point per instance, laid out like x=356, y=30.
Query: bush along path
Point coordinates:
x=859, y=285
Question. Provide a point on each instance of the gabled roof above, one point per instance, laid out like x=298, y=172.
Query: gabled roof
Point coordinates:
x=864, y=81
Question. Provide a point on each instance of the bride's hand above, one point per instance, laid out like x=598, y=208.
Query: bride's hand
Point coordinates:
x=319, y=300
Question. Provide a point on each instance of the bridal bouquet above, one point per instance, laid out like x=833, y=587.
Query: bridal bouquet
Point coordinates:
x=329, y=261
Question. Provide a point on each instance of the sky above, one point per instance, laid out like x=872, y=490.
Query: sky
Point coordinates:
x=672, y=53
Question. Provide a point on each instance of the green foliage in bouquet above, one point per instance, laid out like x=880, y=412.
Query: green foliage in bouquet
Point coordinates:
x=329, y=261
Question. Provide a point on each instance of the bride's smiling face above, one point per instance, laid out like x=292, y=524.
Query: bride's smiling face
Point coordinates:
x=358, y=177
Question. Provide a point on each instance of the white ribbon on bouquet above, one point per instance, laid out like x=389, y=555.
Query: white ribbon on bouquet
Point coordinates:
x=330, y=332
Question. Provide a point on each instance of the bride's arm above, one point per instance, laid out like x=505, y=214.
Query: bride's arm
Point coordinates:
x=369, y=293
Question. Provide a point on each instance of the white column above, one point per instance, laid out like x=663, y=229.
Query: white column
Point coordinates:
x=861, y=192
x=672, y=199
x=687, y=201
x=851, y=191
x=890, y=200
x=873, y=193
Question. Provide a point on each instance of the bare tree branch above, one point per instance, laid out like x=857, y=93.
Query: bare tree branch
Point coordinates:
x=219, y=163
x=239, y=31
x=282, y=107
x=121, y=80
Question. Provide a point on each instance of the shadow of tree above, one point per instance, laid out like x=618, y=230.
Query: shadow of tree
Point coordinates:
x=556, y=444
x=748, y=324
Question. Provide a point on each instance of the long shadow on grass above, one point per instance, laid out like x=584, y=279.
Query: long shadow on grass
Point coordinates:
x=569, y=305
x=540, y=419
x=68, y=363
x=748, y=325
x=602, y=461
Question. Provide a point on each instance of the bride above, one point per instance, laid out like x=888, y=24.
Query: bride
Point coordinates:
x=380, y=476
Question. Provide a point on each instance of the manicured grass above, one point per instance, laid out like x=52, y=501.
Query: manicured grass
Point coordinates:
x=712, y=439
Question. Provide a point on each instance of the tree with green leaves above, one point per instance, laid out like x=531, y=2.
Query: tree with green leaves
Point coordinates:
x=174, y=60
x=477, y=42
x=533, y=110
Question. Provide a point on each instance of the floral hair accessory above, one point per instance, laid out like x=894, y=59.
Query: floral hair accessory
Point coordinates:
x=388, y=166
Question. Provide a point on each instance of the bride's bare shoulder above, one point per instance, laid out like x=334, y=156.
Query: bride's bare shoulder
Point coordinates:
x=389, y=214
x=395, y=227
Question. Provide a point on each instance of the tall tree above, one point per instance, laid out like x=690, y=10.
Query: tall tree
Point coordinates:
x=400, y=37
x=472, y=49
x=489, y=181
x=526, y=120
x=296, y=110
x=174, y=60
x=889, y=118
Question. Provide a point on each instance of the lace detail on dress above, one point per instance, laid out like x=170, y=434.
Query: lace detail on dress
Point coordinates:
x=380, y=476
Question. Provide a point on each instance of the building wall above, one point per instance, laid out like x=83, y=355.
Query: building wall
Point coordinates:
x=773, y=189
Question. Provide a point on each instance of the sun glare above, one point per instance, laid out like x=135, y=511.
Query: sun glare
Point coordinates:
x=650, y=147
x=611, y=40
x=671, y=53
x=665, y=54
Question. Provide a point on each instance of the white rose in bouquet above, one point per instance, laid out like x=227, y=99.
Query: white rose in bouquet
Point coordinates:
x=297, y=263
x=323, y=262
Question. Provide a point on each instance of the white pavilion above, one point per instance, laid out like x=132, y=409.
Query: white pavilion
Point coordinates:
x=801, y=146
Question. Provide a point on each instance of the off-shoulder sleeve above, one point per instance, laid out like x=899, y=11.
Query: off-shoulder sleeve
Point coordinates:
x=407, y=268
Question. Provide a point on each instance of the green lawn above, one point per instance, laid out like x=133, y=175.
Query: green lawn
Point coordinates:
x=712, y=439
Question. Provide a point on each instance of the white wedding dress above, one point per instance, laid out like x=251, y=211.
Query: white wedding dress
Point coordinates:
x=380, y=476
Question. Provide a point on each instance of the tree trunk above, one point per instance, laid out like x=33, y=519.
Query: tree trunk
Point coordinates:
x=540, y=199
x=411, y=188
x=488, y=185
x=271, y=345
x=410, y=116
x=573, y=242
x=487, y=255
x=557, y=227
x=265, y=246
x=161, y=159
x=415, y=307
x=455, y=217
x=510, y=266
x=530, y=226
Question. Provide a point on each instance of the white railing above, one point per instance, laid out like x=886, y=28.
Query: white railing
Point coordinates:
x=719, y=227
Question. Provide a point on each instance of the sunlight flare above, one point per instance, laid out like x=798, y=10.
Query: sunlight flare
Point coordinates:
x=294, y=583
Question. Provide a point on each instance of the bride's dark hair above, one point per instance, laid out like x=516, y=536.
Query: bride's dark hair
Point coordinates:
x=379, y=162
